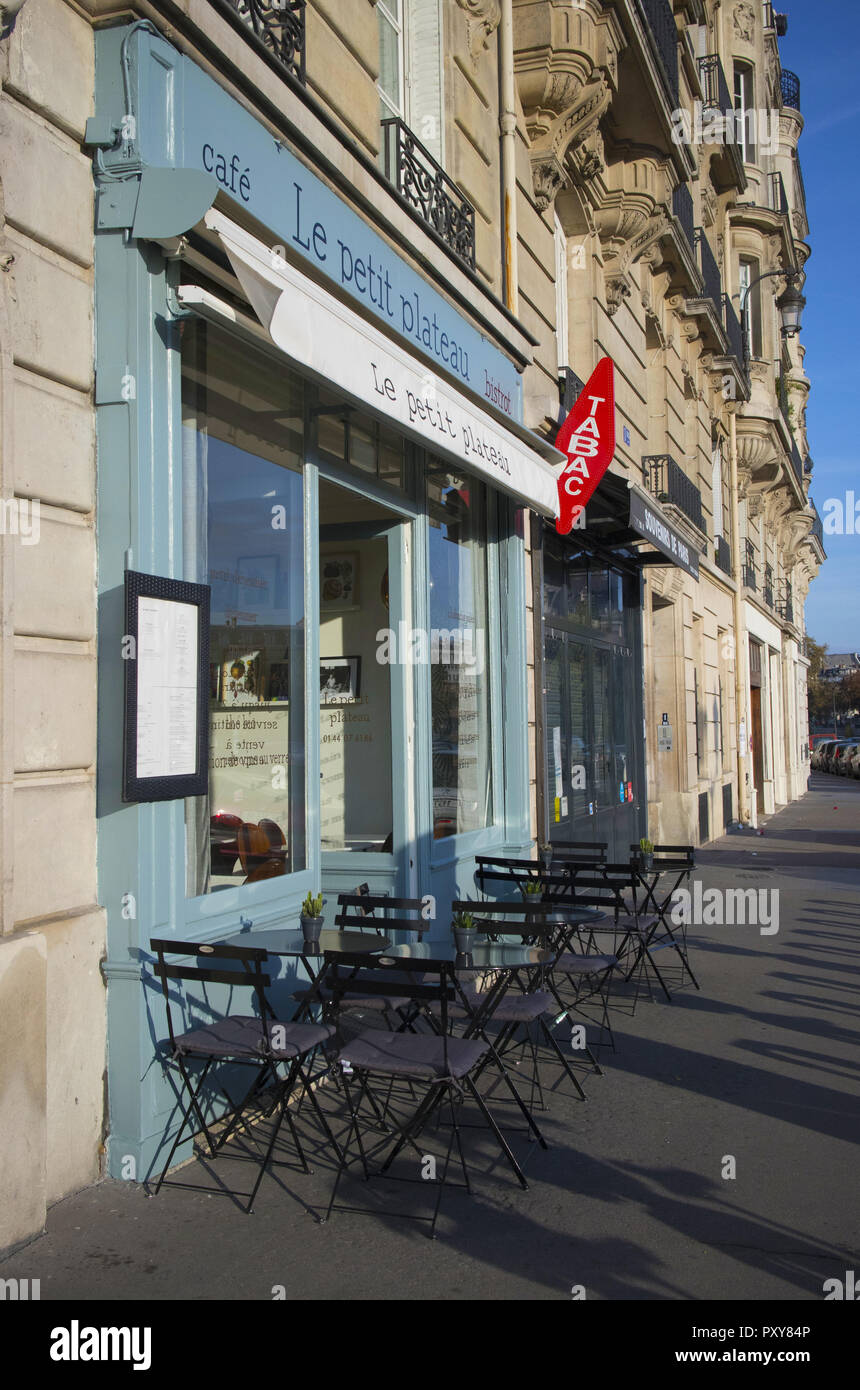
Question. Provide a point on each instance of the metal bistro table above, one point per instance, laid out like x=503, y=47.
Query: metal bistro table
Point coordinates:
x=284, y=942
x=506, y=960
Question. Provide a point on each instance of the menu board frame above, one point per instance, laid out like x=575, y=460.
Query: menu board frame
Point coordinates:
x=165, y=786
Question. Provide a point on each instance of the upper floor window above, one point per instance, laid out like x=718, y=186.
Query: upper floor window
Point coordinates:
x=745, y=105
x=392, y=67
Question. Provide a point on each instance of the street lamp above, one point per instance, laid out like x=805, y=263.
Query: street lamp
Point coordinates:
x=790, y=304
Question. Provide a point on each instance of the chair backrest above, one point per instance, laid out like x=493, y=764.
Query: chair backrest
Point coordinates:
x=249, y=957
x=346, y=972
x=586, y=851
x=354, y=910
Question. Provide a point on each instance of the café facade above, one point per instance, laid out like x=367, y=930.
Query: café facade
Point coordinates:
x=292, y=415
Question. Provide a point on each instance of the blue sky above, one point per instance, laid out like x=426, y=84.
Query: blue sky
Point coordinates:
x=830, y=159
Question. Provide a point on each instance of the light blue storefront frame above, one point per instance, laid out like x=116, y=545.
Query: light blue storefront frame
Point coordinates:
x=141, y=848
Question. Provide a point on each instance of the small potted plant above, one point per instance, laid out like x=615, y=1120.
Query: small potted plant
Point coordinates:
x=463, y=927
x=545, y=852
x=646, y=853
x=312, y=919
x=532, y=890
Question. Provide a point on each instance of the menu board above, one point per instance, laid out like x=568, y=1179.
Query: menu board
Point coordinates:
x=166, y=652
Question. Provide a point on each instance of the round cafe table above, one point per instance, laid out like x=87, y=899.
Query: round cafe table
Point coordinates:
x=283, y=942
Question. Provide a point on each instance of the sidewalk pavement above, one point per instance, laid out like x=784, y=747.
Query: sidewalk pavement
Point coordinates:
x=629, y=1201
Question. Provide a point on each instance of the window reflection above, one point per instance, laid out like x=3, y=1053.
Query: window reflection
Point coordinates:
x=243, y=535
x=459, y=651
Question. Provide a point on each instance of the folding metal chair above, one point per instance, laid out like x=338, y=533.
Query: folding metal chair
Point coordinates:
x=678, y=862
x=258, y=1041
x=445, y=1065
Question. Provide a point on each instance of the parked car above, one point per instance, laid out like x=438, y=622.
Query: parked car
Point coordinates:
x=842, y=757
x=832, y=762
x=852, y=768
x=819, y=757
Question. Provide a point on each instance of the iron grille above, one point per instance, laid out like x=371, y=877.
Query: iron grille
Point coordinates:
x=778, y=200
x=682, y=207
x=817, y=526
x=789, y=84
x=661, y=22
x=427, y=188
x=750, y=566
x=797, y=462
x=715, y=88
x=279, y=28
x=669, y=483
x=723, y=555
x=709, y=268
x=767, y=591
x=734, y=332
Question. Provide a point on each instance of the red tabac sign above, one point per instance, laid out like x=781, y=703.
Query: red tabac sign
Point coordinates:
x=588, y=438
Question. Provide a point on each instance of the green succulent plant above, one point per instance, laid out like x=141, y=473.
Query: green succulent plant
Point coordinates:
x=463, y=921
x=646, y=846
x=532, y=889
x=312, y=906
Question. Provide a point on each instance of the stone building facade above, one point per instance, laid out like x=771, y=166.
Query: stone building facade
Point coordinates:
x=592, y=208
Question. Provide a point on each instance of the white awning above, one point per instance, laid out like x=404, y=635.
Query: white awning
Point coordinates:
x=319, y=333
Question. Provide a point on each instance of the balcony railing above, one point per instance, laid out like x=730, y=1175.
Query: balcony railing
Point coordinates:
x=723, y=555
x=734, y=332
x=776, y=193
x=715, y=88
x=669, y=483
x=797, y=462
x=709, y=268
x=682, y=207
x=661, y=22
x=790, y=87
x=785, y=607
x=570, y=388
x=749, y=567
x=817, y=526
x=425, y=185
x=767, y=590
x=279, y=28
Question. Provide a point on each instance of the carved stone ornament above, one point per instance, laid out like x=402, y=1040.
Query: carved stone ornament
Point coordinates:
x=548, y=179
x=744, y=21
x=617, y=290
x=482, y=21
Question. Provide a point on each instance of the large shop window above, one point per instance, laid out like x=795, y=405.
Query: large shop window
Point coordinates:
x=459, y=652
x=243, y=428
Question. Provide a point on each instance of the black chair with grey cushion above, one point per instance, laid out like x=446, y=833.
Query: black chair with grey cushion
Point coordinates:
x=444, y=1066
x=258, y=1041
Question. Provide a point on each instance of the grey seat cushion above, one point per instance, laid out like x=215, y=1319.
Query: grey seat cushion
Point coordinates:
x=522, y=1008
x=243, y=1036
x=571, y=964
x=411, y=1054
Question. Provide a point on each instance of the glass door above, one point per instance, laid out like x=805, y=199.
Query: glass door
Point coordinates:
x=364, y=806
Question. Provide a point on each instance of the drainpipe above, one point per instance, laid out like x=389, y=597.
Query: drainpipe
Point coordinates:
x=741, y=643
x=508, y=128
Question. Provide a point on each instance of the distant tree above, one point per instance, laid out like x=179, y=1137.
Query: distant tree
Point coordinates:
x=820, y=692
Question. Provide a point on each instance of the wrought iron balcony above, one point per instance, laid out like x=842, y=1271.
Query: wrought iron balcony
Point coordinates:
x=426, y=187
x=749, y=566
x=715, y=89
x=723, y=555
x=785, y=606
x=734, y=332
x=669, y=483
x=817, y=526
x=709, y=268
x=790, y=88
x=767, y=590
x=797, y=462
x=776, y=193
x=279, y=28
x=682, y=207
x=661, y=22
